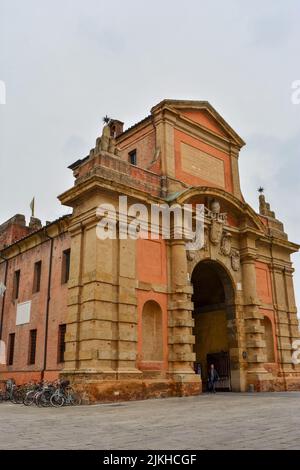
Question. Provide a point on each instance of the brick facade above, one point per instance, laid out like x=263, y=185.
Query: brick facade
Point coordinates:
x=135, y=310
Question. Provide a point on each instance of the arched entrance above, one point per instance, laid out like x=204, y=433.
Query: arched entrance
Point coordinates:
x=214, y=315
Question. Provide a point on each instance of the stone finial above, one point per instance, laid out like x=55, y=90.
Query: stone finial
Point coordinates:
x=35, y=224
x=105, y=138
x=107, y=142
x=275, y=227
x=264, y=207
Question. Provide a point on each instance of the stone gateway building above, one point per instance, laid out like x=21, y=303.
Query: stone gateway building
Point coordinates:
x=126, y=319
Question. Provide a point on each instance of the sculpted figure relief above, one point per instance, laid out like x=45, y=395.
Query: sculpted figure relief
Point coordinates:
x=216, y=230
x=217, y=236
x=217, y=223
x=226, y=244
x=235, y=260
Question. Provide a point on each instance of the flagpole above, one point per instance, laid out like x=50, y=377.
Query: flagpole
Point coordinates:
x=32, y=206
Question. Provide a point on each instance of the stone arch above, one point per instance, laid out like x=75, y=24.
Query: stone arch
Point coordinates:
x=225, y=277
x=214, y=314
x=234, y=204
x=152, y=332
x=269, y=339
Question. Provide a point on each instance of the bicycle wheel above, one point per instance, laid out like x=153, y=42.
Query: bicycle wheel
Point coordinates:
x=57, y=400
x=17, y=397
x=29, y=398
x=44, y=398
x=75, y=399
x=37, y=398
x=20, y=397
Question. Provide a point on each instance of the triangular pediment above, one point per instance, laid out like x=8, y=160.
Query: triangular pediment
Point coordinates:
x=203, y=114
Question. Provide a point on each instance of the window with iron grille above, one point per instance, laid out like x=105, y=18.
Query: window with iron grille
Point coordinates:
x=61, y=343
x=37, y=277
x=11, y=349
x=16, y=285
x=32, y=346
x=65, y=271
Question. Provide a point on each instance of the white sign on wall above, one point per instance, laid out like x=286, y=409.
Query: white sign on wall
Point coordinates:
x=2, y=353
x=2, y=289
x=23, y=313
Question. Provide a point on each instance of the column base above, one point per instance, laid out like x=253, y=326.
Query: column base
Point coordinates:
x=96, y=387
x=259, y=381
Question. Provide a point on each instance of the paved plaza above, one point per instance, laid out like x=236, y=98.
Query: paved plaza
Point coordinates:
x=221, y=421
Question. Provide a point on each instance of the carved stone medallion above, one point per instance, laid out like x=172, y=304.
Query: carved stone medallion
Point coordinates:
x=216, y=231
x=235, y=260
x=226, y=244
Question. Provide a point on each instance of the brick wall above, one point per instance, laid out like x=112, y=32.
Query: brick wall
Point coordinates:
x=12, y=230
x=24, y=262
x=144, y=143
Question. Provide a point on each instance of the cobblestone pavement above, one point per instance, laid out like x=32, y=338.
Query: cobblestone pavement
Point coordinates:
x=221, y=421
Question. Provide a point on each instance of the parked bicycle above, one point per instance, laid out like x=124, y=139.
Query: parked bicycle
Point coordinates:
x=65, y=395
x=41, y=394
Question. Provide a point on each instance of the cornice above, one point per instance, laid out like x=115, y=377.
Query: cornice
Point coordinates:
x=96, y=182
x=37, y=238
x=279, y=242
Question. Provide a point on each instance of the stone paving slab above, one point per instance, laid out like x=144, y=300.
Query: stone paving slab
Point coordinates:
x=221, y=421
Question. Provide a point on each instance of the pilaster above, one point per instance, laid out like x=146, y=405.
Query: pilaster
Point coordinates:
x=181, y=339
x=254, y=330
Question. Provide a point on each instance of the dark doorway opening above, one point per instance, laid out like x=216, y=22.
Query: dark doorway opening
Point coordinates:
x=221, y=362
x=214, y=315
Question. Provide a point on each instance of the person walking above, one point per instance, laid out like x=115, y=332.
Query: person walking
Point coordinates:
x=213, y=377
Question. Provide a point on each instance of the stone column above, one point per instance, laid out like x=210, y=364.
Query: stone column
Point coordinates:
x=292, y=312
x=180, y=321
x=291, y=303
x=91, y=342
x=281, y=317
x=127, y=312
x=254, y=330
x=286, y=317
x=72, y=338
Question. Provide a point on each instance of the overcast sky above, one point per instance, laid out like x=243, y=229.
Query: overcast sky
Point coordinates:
x=67, y=63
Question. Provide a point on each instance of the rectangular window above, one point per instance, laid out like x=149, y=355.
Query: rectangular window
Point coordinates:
x=65, y=272
x=32, y=346
x=61, y=343
x=132, y=158
x=11, y=349
x=37, y=277
x=16, y=285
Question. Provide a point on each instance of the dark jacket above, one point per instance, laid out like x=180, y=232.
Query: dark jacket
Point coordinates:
x=215, y=377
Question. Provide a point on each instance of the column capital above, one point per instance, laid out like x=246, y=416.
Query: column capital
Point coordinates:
x=248, y=255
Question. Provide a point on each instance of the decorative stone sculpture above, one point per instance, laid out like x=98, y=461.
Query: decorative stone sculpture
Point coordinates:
x=107, y=141
x=226, y=244
x=217, y=222
x=235, y=260
x=190, y=255
x=216, y=231
x=105, y=138
x=215, y=207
